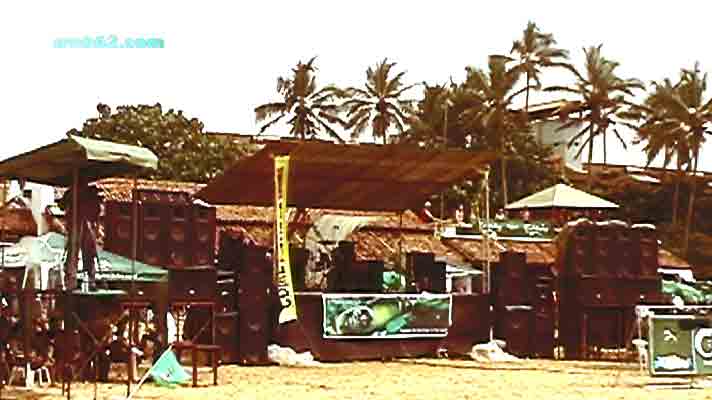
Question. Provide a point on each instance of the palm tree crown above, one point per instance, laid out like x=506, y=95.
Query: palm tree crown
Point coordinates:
x=606, y=96
x=313, y=110
x=495, y=90
x=379, y=104
x=535, y=51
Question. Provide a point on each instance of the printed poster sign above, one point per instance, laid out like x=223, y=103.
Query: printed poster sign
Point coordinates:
x=680, y=345
x=379, y=316
x=285, y=288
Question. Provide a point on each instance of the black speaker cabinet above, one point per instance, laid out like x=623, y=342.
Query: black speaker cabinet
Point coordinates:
x=255, y=275
x=366, y=277
x=298, y=258
x=604, y=246
x=226, y=295
x=517, y=330
x=204, y=225
x=118, y=228
x=513, y=282
x=226, y=336
x=625, y=257
x=579, y=250
x=153, y=247
x=193, y=283
x=543, y=338
x=254, y=332
x=255, y=308
x=230, y=254
x=178, y=240
x=646, y=240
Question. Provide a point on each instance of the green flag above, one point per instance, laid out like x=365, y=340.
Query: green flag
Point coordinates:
x=167, y=371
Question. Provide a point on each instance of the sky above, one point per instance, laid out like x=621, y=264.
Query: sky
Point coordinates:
x=222, y=59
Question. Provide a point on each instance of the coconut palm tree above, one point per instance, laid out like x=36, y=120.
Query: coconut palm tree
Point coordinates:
x=534, y=51
x=661, y=135
x=313, y=111
x=686, y=115
x=379, y=104
x=494, y=119
x=429, y=120
x=606, y=96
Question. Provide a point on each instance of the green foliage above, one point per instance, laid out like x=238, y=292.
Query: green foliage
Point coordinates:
x=185, y=152
x=313, y=111
x=607, y=97
x=379, y=104
x=535, y=51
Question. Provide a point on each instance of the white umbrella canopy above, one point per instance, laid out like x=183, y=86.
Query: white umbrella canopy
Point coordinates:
x=561, y=196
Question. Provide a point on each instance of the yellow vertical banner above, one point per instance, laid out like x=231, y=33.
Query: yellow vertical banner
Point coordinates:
x=285, y=288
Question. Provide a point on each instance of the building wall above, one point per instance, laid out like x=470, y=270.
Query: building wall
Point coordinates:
x=548, y=134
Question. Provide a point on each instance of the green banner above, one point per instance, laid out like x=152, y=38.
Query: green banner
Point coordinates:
x=377, y=316
x=680, y=345
x=512, y=228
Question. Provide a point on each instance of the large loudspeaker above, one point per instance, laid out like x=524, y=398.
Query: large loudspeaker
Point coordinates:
x=178, y=240
x=512, y=280
x=605, y=327
x=580, y=250
x=226, y=295
x=192, y=284
x=118, y=228
x=517, y=330
x=429, y=275
x=604, y=251
x=364, y=277
x=254, y=306
x=543, y=342
x=152, y=245
x=646, y=245
x=592, y=292
x=230, y=255
x=339, y=278
x=226, y=336
x=626, y=258
x=203, y=223
x=298, y=258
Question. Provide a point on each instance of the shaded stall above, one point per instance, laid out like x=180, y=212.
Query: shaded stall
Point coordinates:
x=561, y=203
x=74, y=162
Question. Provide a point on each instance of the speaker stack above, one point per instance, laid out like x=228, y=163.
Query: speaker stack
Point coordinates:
x=429, y=274
x=254, y=299
x=597, y=304
x=172, y=230
x=514, y=316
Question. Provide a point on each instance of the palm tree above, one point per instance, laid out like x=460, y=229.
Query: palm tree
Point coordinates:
x=379, y=104
x=661, y=135
x=495, y=89
x=606, y=96
x=686, y=114
x=429, y=119
x=534, y=51
x=312, y=110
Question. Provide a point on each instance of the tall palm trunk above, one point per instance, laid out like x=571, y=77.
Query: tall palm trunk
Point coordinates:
x=676, y=198
x=690, y=206
x=590, y=158
x=505, y=189
x=526, y=99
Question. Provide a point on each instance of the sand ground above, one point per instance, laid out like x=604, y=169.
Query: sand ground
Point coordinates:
x=411, y=379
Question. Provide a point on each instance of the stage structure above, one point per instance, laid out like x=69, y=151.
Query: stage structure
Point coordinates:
x=361, y=177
